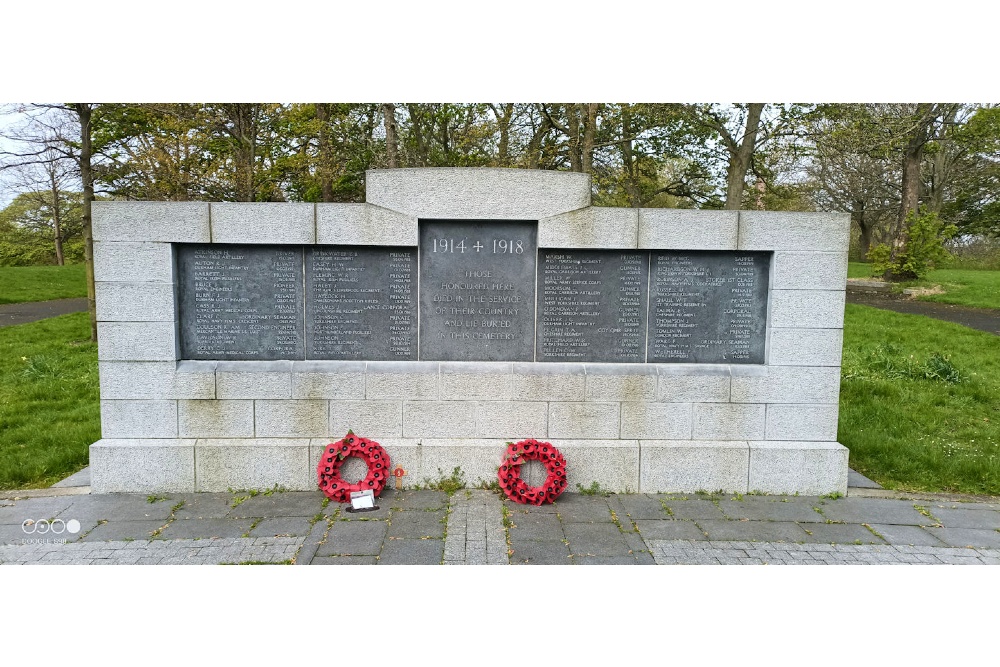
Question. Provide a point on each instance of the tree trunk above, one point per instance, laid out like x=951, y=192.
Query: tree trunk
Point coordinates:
x=85, y=111
x=503, y=120
x=628, y=161
x=391, y=135
x=325, y=171
x=865, y=238
x=573, y=125
x=910, y=185
x=589, y=137
x=56, y=222
x=739, y=162
x=418, y=134
x=533, y=155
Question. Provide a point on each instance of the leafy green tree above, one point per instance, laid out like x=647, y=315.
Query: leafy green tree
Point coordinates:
x=28, y=233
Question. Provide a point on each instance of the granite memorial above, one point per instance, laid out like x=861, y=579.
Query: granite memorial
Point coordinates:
x=660, y=349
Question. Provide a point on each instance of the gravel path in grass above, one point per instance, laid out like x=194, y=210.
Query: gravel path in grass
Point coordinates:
x=983, y=319
x=23, y=313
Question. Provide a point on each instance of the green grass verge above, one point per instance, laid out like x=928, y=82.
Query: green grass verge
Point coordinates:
x=906, y=421
x=962, y=287
x=19, y=284
x=49, y=406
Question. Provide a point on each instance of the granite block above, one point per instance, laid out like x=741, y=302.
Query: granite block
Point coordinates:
x=686, y=229
x=364, y=224
x=328, y=379
x=656, y=421
x=801, y=422
x=806, y=347
x=136, y=341
x=439, y=419
x=550, y=382
x=371, y=419
x=808, y=468
x=692, y=383
x=584, y=420
x=297, y=418
x=153, y=380
x=139, y=419
x=488, y=194
x=477, y=380
x=132, y=262
x=134, y=302
x=788, y=384
x=687, y=466
x=807, y=309
x=620, y=382
x=263, y=222
x=780, y=230
x=253, y=379
x=590, y=227
x=143, y=221
x=141, y=466
x=613, y=464
x=414, y=380
x=809, y=270
x=223, y=464
x=215, y=419
x=511, y=419
x=727, y=421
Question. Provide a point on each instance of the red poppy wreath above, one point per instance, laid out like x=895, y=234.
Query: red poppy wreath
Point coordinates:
x=509, y=474
x=333, y=458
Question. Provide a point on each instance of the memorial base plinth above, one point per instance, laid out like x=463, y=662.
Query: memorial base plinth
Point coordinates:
x=620, y=466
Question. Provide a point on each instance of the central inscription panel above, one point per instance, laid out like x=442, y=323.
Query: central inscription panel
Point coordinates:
x=477, y=290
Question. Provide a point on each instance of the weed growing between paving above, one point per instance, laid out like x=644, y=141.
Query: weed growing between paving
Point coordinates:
x=920, y=402
x=49, y=405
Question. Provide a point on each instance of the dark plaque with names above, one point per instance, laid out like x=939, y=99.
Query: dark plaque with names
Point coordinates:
x=707, y=306
x=477, y=290
x=592, y=306
x=240, y=302
x=361, y=303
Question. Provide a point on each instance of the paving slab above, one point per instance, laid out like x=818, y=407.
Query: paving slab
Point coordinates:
x=118, y=506
x=549, y=552
x=577, y=508
x=605, y=560
x=670, y=530
x=642, y=506
x=758, y=508
x=354, y=538
x=907, y=535
x=34, y=509
x=536, y=527
x=839, y=533
x=411, y=552
x=344, y=560
x=595, y=539
x=753, y=531
x=287, y=526
x=192, y=529
x=414, y=500
x=123, y=530
x=874, y=510
x=967, y=537
x=81, y=478
x=340, y=509
x=288, y=503
x=966, y=518
x=417, y=524
x=693, y=508
x=202, y=505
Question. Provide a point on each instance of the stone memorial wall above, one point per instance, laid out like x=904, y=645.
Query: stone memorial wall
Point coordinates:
x=660, y=350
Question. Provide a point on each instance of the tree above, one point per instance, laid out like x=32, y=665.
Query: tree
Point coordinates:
x=30, y=235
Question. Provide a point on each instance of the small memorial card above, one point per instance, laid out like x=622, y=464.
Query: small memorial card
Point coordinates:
x=362, y=500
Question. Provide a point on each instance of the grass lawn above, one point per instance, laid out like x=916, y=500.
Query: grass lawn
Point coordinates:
x=963, y=287
x=908, y=427
x=49, y=407
x=19, y=284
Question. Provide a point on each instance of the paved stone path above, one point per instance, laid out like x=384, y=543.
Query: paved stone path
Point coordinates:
x=477, y=527
x=476, y=534
x=32, y=311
